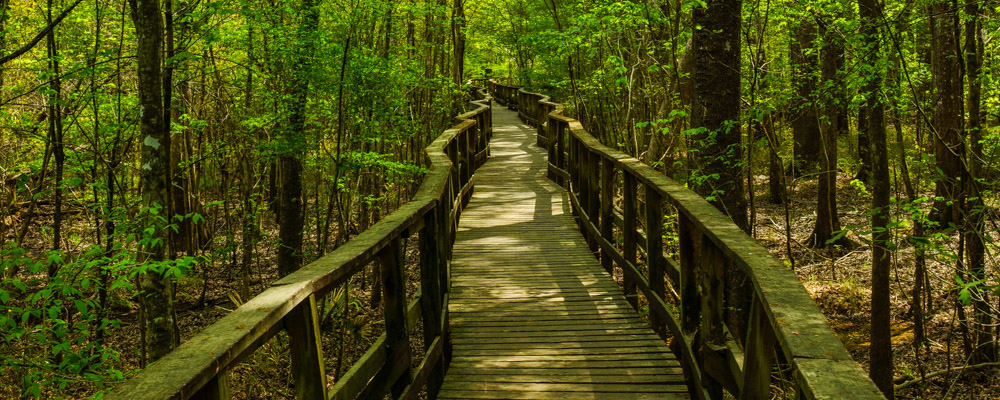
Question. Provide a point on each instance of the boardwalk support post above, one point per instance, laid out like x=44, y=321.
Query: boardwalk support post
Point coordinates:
x=397, y=341
x=302, y=324
x=607, y=222
x=654, y=252
x=215, y=389
x=629, y=237
x=430, y=293
x=759, y=350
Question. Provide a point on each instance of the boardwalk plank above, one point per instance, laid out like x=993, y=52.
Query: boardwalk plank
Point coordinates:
x=533, y=314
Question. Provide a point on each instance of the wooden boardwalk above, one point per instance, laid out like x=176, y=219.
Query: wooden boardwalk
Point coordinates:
x=533, y=314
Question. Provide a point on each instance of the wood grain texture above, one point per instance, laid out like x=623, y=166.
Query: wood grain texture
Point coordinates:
x=533, y=314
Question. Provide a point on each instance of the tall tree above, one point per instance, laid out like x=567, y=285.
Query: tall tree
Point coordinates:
x=715, y=108
x=56, y=137
x=803, y=59
x=973, y=218
x=949, y=148
x=880, y=351
x=830, y=96
x=156, y=289
x=458, y=42
x=293, y=145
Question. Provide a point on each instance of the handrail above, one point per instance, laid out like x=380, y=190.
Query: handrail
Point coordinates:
x=199, y=367
x=779, y=321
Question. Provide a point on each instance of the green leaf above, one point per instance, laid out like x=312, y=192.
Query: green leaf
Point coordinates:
x=965, y=296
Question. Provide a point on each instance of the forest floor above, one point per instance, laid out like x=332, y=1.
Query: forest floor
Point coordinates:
x=840, y=284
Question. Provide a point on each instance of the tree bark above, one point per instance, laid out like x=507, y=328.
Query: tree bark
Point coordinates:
x=458, y=37
x=294, y=146
x=880, y=350
x=56, y=136
x=716, y=112
x=716, y=107
x=155, y=289
x=974, y=218
x=807, y=144
x=830, y=97
x=946, y=68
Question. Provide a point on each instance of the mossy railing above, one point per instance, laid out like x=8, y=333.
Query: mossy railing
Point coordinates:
x=722, y=282
x=199, y=368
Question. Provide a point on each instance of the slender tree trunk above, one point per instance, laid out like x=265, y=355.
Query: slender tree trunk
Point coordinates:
x=292, y=221
x=880, y=350
x=975, y=249
x=56, y=137
x=807, y=144
x=830, y=97
x=155, y=288
x=458, y=38
x=4, y=12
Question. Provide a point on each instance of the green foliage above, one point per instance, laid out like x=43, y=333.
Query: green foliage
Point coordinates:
x=48, y=325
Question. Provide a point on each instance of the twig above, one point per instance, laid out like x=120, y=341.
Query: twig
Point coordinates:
x=914, y=381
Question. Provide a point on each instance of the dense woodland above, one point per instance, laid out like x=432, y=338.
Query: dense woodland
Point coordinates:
x=161, y=162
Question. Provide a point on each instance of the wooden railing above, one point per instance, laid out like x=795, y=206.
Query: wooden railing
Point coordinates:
x=199, y=367
x=690, y=300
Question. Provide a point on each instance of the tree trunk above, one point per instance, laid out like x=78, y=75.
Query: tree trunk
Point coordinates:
x=946, y=68
x=155, y=289
x=4, y=14
x=974, y=218
x=716, y=111
x=294, y=147
x=880, y=351
x=830, y=98
x=807, y=145
x=458, y=38
x=716, y=107
x=56, y=137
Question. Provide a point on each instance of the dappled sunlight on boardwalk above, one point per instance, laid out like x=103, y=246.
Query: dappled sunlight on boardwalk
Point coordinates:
x=533, y=314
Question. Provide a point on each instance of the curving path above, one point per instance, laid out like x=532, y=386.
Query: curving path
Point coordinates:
x=533, y=314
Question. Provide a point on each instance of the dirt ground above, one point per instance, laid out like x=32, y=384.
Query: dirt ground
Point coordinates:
x=840, y=283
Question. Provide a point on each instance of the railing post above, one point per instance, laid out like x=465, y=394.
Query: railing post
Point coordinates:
x=594, y=202
x=397, y=341
x=215, y=389
x=654, y=252
x=550, y=128
x=712, y=335
x=629, y=236
x=302, y=324
x=607, y=221
x=560, y=132
x=480, y=138
x=463, y=147
x=430, y=292
x=574, y=162
x=581, y=173
x=586, y=188
x=470, y=153
x=689, y=241
x=447, y=229
x=592, y=164
x=758, y=355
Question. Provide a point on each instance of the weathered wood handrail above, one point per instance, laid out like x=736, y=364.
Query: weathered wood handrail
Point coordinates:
x=199, y=367
x=780, y=321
